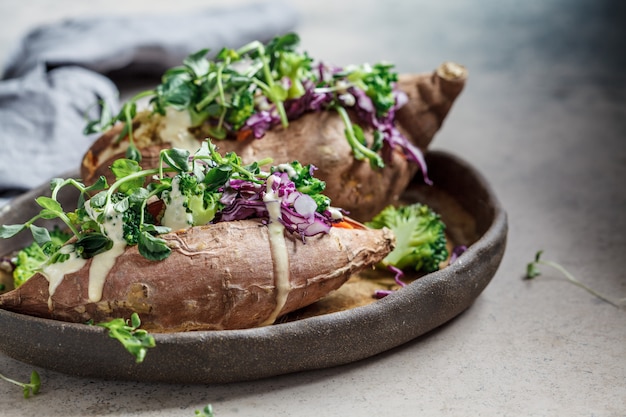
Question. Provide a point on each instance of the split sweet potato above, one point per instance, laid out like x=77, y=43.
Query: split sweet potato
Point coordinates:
x=218, y=276
x=318, y=138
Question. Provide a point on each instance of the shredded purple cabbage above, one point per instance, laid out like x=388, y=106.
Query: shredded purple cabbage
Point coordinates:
x=456, y=252
x=261, y=122
x=398, y=275
x=244, y=200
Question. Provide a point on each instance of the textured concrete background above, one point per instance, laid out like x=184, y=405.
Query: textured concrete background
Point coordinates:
x=543, y=117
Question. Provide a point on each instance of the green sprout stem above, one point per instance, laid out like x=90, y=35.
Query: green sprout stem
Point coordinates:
x=532, y=272
x=128, y=119
x=210, y=97
x=360, y=150
x=207, y=411
x=215, y=156
x=220, y=82
x=269, y=87
x=139, y=174
x=30, y=388
x=268, y=90
x=61, y=216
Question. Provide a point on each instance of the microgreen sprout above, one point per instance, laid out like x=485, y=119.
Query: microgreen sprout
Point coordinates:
x=532, y=271
x=207, y=411
x=356, y=139
x=30, y=388
x=135, y=340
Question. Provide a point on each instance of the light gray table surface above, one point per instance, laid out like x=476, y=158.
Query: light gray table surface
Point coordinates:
x=543, y=118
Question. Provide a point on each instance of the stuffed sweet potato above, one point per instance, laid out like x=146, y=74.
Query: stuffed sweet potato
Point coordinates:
x=209, y=243
x=363, y=128
x=219, y=276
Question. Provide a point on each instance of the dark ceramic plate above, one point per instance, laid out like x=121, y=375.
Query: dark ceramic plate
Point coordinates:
x=465, y=201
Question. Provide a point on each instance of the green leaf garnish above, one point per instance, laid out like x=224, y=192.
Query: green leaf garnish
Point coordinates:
x=10, y=230
x=122, y=168
x=40, y=234
x=207, y=411
x=91, y=244
x=50, y=204
x=135, y=340
x=30, y=388
x=152, y=248
x=177, y=159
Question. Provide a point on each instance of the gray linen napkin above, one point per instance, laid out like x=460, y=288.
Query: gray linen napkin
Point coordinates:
x=58, y=73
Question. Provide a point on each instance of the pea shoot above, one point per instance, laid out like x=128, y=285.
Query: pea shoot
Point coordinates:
x=135, y=340
x=207, y=411
x=532, y=271
x=30, y=388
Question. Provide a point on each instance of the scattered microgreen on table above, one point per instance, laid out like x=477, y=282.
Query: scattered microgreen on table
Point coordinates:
x=30, y=388
x=532, y=271
x=207, y=411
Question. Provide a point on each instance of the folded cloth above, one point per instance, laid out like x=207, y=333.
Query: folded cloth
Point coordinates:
x=58, y=74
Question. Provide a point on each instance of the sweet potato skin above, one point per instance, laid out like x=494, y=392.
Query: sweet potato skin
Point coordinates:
x=319, y=139
x=217, y=277
x=431, y=97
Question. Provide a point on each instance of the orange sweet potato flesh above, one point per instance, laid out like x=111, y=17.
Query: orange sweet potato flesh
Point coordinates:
x=217, y=277
x=318, y=139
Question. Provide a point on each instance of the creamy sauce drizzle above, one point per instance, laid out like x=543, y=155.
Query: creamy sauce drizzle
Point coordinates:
x=291, y=172
x=175, y=129
x=101, y=264
x=175, y=215
x=56, y=272
x=278, y=248
x=335, y=213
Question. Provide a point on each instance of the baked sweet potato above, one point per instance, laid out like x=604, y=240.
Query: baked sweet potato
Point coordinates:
x=214, y=245
x=219, y=276
x=312, y=137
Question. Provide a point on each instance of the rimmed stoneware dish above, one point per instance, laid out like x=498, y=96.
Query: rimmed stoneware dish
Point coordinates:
x=462, y=196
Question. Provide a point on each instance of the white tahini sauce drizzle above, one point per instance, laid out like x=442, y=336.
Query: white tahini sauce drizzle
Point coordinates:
x=278, y=248
x=102, y=263
x=175, y=129
x=291, y=172
x=335, y=213
x=175, y=216
x=55, y=273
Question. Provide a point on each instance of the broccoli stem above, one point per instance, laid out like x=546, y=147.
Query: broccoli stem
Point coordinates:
x=360, y=151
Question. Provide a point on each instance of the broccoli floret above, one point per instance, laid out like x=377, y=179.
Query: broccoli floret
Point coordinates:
x=31, y=258
x=200, y=202
x=242, y=107
x=420, y=237
x=188, y=183
x=131, y=226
